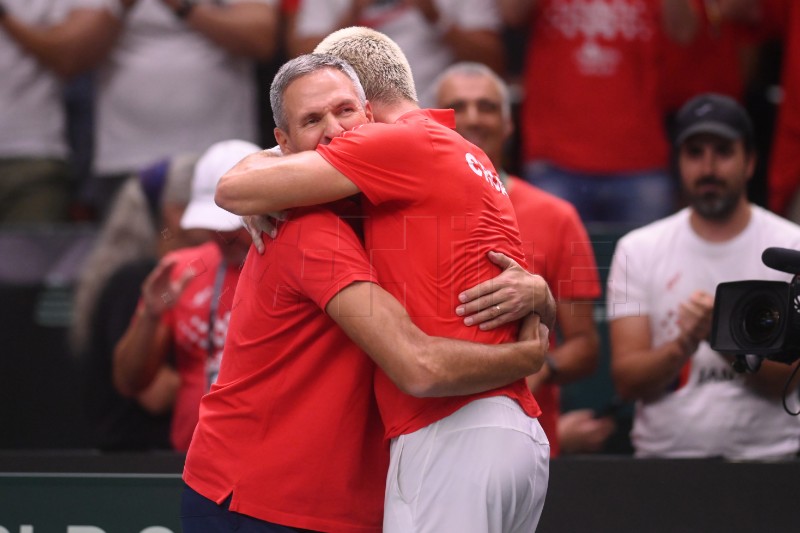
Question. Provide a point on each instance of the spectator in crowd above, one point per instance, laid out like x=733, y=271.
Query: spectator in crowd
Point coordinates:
x=143, y=226
x=592, y=129
x=710, y=54
x=431, y=33
x=689, y=401
x=427, y=262
x=186, y=300
x=313, y=276
x=784, y=165
x=172, y=76
x=36, y=183
x=555, y=241
x=728, y=53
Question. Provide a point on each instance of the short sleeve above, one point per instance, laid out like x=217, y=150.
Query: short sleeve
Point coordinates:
x=328, y=256
x=577, y=275
x=383, y=160
x=627, y=281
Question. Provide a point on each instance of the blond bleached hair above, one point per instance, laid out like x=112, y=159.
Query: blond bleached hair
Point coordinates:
x=379, y=62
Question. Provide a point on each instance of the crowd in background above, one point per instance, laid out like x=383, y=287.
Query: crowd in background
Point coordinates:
x=100, y=89
x=106, y=106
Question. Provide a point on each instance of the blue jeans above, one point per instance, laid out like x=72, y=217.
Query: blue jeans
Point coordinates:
x=629, y=199
x=201, y=515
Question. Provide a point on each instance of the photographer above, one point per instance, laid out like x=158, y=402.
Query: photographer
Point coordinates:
x=690, y=402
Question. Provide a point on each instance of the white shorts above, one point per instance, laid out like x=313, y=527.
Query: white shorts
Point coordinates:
x=483, y=469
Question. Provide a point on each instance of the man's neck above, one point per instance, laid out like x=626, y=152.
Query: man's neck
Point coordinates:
x=390, y=112
x=722, y=230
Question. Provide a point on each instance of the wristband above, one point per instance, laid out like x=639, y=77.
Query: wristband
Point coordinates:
x=185, y=9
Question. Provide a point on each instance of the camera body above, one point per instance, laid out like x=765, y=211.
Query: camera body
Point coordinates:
x=758, y=317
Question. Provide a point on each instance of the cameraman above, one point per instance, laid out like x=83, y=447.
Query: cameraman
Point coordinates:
x=690, y=403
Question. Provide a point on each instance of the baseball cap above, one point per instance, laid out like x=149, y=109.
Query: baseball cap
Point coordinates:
x=716, y=114
x=202, y=212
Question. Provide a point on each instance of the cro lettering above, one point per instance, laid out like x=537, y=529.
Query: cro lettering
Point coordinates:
x=489, y=175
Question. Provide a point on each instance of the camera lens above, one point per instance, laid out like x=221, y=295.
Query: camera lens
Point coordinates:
x=761, y=320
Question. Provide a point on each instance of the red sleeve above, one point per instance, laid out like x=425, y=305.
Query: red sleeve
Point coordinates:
x=577, y=272
x=329, y=256
x=382, y=160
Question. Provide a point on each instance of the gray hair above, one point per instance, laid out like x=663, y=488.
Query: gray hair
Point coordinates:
x=302, y=66
x=473, y=69
x=381, y=64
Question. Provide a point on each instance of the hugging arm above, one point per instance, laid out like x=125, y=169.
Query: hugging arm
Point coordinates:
x=261, y=183
x=509, y=296
x=422, y=365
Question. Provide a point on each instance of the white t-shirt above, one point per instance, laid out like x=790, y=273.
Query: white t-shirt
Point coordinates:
x=712, y=413
x=32, y=119
x=420, y=41
x=167, y=89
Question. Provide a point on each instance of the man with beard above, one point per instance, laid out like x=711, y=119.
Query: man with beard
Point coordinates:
x=690, y=403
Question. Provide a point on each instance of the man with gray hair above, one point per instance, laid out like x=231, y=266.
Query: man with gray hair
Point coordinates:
x=291, y=381
x=428, y=241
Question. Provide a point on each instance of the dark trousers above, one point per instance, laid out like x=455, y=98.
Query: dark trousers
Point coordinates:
x=201, y=515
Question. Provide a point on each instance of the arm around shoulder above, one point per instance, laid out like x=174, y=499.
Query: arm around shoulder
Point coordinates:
x=261, y=183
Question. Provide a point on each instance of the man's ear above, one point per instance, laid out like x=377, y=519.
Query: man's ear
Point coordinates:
x=283, y=141
x=368, y=111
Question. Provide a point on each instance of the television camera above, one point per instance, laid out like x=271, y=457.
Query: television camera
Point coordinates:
x=755, y=320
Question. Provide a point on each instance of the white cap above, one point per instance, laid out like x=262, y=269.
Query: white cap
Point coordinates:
x=202, y=212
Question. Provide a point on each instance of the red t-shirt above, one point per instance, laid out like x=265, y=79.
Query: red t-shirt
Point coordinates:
x=712, y=62
x=189, y=321
x=784, y=167
x=592, y=86
x=435, y=207
x=557, y=248
x=291, y=429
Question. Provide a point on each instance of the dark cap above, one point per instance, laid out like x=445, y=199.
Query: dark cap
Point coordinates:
x=715, y=114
